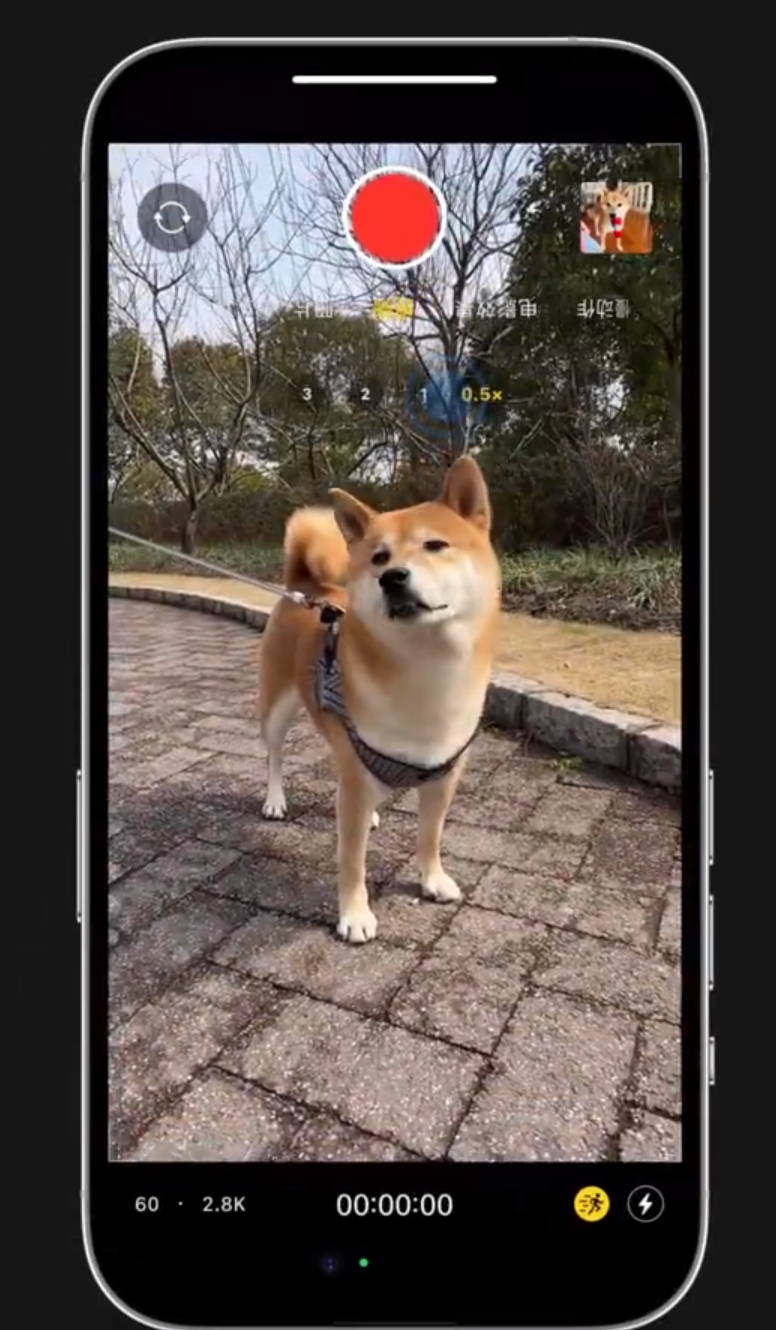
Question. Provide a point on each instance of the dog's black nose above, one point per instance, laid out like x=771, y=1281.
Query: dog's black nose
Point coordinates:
x=393, y=579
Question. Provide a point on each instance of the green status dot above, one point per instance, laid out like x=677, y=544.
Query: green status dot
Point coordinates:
x=363, y=1263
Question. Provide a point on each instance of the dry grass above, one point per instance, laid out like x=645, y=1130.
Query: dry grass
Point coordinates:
x=614, y=667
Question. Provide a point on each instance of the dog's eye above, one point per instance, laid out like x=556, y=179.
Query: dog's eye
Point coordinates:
x=434, y=545
x=382, y=556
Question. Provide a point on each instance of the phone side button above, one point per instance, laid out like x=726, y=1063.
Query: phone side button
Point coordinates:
x=711, y=944
x=711, y=820
x=712, y=1061
x=79, y=850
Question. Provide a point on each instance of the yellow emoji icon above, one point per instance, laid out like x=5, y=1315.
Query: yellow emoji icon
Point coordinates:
x=591, y=1203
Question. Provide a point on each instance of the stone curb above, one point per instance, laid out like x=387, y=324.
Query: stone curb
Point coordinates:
x=637, y=745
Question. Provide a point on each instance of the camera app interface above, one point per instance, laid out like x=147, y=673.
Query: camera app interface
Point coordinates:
x=394, y=493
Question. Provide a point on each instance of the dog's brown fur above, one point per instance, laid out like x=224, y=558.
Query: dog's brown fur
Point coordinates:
x=413, y=690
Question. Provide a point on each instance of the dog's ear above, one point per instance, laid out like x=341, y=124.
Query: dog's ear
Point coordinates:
x=353, y=516
x=466, y=492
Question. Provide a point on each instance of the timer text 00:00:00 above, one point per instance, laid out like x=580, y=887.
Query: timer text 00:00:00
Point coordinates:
x=401, y=1205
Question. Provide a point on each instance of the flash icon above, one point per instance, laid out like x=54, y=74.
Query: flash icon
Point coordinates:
x=645, y=1204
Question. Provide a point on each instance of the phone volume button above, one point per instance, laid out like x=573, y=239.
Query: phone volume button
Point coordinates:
x=710, y=820
x=712, y=1061
x=79, y=853
x=711, y=944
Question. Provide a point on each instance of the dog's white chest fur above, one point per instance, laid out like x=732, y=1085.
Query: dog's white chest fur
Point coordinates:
x=425, y=715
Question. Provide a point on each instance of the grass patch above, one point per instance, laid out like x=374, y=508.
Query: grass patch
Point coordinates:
x=642, y=590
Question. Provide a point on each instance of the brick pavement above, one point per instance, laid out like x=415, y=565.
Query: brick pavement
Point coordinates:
x=535, y=1020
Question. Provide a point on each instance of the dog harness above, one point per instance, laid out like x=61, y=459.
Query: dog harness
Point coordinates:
x=390, y=771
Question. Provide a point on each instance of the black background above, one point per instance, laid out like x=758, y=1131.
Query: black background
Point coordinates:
x=51, y=73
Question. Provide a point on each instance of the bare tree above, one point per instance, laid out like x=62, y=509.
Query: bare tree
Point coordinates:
x=204, y=313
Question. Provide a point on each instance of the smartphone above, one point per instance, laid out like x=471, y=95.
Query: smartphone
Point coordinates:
x=395, y=789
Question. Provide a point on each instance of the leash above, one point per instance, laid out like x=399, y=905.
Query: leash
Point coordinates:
x=298, y=597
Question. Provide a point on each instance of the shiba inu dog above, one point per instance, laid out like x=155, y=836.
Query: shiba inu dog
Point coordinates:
x=395, y=681
x=609, y=211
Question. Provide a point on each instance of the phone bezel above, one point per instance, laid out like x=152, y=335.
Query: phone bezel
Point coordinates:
x=696, y=1026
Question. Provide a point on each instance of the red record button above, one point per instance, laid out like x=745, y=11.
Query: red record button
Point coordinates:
x=394, y=217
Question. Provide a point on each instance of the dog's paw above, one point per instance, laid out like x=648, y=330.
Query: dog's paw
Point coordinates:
x=359, y=925
x=440, y=887
x=375, y=821
x=274, y=810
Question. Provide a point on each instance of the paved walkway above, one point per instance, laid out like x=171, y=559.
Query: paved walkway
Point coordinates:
x=537, y=1020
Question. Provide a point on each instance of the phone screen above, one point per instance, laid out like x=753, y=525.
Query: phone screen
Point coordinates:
x=394, y=779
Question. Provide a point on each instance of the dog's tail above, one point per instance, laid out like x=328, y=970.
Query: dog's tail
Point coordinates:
x=315, y=553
